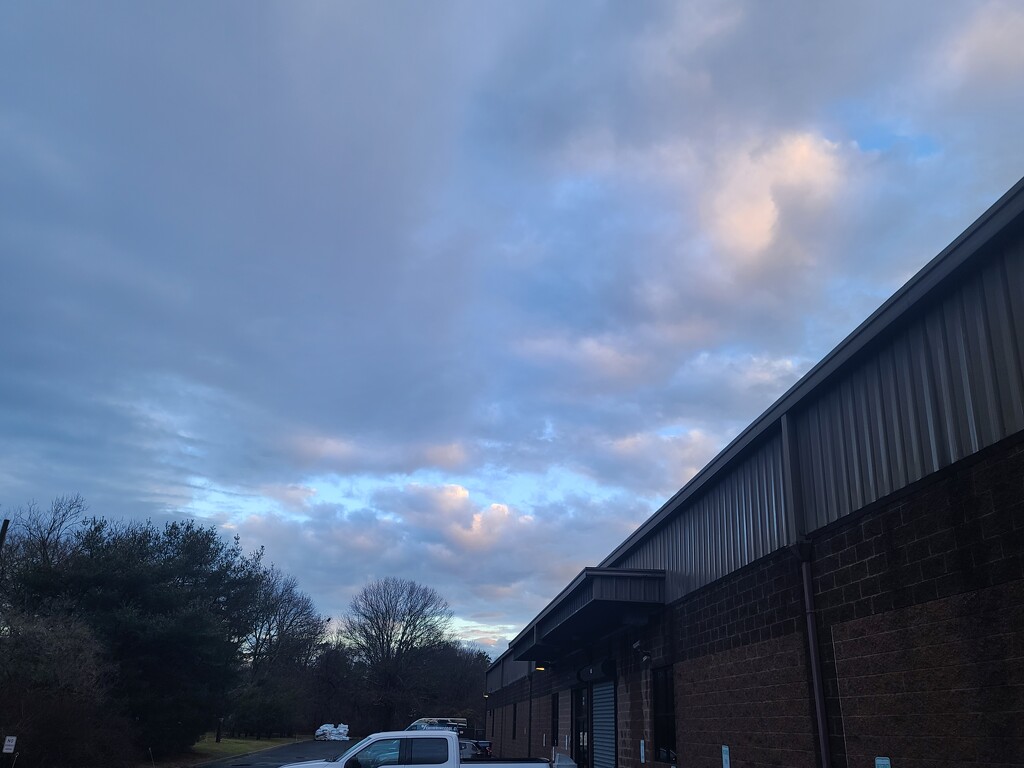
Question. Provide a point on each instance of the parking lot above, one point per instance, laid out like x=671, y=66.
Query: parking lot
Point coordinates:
x=286, y=753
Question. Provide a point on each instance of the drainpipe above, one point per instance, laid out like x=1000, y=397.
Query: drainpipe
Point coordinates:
x=803, y=550
x=529, y=721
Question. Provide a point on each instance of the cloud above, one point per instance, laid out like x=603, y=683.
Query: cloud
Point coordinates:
x=988, y=52
x=755, y=184
x=495, y=564
x=607, y=358
x=403, y=290
x=292, y=497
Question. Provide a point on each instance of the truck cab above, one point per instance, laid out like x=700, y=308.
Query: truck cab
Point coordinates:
x=419, y=749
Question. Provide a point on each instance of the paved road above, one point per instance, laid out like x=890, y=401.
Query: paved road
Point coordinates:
x=286, y=753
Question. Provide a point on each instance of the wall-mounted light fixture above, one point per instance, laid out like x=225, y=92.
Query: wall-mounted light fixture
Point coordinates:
x=645, y=656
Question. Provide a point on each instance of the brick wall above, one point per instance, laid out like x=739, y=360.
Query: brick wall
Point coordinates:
x=634, y=714
x=911, y=591
x=754, y=699
x=941, y=683
x=540, y=744
x=759, y=602
x=741, y=675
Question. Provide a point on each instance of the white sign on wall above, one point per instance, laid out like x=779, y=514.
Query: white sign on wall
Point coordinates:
x=725, y=756
x=9, y=743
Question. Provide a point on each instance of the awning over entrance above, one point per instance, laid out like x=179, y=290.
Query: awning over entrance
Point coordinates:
x=597, y=602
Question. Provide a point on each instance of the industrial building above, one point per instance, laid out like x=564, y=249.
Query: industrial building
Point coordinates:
x=842, y=584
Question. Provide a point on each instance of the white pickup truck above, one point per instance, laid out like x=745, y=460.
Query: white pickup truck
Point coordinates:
x=411, y=749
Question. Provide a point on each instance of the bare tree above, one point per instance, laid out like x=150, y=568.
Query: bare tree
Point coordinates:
x=46, y=536
x=285, y=628
x=279, y=652
x=392, y=626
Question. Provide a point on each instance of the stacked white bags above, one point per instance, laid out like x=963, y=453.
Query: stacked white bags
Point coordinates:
x=331, y=732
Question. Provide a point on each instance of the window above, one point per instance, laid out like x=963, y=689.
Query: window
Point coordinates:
x=427, y=751
x=664, y=715
x=383, y=752
x=515, y=711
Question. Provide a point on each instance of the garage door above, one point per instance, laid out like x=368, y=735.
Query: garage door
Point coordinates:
x=603, y=737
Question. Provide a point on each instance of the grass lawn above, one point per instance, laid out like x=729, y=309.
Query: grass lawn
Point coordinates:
x=207, y=749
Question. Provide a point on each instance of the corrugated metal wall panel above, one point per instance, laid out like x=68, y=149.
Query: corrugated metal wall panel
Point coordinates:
x=512, y=670
x=1008, y=313
x=603, y=736
x=493, y=679
x=944, y=387
x=733, y=523
x=570, y=606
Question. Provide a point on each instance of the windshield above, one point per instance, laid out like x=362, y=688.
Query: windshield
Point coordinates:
x=354, y=748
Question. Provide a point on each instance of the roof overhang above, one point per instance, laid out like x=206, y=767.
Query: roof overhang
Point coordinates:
x=596, y=603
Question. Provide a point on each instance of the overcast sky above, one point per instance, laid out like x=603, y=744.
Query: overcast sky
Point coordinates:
x=457, y=291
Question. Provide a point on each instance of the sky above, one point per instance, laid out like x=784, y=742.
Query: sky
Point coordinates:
x=459, y=292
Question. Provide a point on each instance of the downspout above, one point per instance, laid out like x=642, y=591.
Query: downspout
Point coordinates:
x=796, y=526
x=803, y=549
x=529, y=721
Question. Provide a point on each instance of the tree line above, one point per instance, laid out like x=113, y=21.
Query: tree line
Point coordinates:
x=123, y=640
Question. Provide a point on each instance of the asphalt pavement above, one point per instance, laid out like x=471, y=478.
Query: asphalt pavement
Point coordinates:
x=286, y=753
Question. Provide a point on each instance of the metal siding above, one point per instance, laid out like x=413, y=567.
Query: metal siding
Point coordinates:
x=947, y=391
x=735, y=522
x=571, y=605
x=603, y=736
x=944, y=387
x=877, y=406
x=512, y=670
x=1008, y=283
x=814, y=475
x=898, y=444
x=907, y=411
x=996, y=301
x=493, y=680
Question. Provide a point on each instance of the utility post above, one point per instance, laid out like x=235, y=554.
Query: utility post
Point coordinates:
x=9, y=741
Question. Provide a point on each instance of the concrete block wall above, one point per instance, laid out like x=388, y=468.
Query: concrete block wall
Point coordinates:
x=920, y=627
x=533, y=718
x=760, y=602
x=741, y=670
x=753, y=699
x=540, y=744
x=940, y=683
x=633, y=695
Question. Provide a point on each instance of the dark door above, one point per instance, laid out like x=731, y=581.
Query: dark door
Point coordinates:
x=581, y=727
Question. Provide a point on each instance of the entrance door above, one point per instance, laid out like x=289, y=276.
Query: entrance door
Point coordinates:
x=581, y=727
